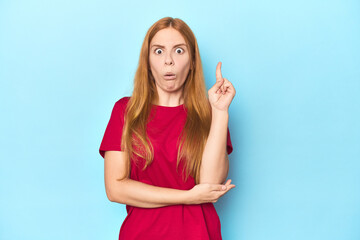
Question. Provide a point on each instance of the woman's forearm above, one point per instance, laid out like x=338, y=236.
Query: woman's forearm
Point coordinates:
x=139, y=194
x=215, y=163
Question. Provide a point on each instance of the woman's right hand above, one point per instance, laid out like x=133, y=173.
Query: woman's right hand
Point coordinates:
x=208, y=192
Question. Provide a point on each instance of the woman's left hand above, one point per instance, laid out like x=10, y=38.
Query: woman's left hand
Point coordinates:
x=222, y=93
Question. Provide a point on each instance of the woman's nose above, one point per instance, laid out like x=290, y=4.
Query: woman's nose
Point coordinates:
x=168, y=60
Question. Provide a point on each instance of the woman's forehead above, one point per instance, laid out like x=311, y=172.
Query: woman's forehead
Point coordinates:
x=170, y=45
x=167, y=37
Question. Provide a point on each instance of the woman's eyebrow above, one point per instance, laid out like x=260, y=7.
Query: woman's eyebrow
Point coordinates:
x=157, y=45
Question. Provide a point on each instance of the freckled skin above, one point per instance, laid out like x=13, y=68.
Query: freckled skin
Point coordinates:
x=169, y=59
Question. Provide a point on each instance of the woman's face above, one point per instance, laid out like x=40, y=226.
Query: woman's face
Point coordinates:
x=168, y=54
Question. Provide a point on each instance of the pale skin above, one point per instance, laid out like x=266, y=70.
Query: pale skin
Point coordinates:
x=169, y=56
x=215, y=161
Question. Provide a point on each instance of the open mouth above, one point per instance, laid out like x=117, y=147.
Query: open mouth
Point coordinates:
x=169, y=76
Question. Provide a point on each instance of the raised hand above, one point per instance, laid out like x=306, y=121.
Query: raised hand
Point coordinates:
x=222, y=92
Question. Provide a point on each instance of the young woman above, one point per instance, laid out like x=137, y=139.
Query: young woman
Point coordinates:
x=166, y=147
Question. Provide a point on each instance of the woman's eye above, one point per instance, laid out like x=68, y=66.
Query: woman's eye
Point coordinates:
x=157, y=50
x=181, y=50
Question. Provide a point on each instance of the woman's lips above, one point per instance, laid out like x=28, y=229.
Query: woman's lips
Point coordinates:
x=169, y=77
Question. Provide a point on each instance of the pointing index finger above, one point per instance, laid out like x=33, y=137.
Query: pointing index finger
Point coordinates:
x=218, y=72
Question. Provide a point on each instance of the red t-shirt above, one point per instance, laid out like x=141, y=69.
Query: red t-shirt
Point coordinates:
x=183, y=221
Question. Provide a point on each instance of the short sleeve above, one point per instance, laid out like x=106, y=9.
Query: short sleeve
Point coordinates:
x=229, y=146
x=112, y=137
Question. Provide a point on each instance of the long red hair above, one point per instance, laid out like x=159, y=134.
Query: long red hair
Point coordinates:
x=197, y=127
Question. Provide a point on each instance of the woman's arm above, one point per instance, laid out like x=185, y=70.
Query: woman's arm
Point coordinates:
x=139, y=194
x=135, y=193
x=215, y=162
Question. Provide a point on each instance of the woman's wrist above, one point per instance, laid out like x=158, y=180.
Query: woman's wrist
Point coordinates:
x=220, y=115
x=188, y=197
x=216, y=111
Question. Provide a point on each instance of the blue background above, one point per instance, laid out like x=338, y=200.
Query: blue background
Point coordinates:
x=294, y=122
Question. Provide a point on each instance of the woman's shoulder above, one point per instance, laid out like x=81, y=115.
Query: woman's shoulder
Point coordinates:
x=122, y=102
x=120, y=105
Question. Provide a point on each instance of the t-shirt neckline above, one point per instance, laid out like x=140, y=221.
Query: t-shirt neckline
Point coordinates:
x=167, y=108
x=159, y=106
